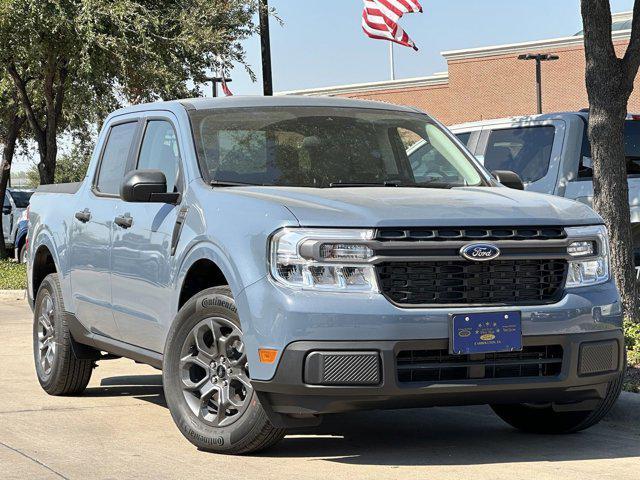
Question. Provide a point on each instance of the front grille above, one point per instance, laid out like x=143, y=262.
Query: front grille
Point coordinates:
x=513, y=282
x=441, y=366
x=471, y=233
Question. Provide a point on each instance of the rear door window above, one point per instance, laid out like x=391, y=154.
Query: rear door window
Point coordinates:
x=21, y=198
x=524, y=150
x=115, y=156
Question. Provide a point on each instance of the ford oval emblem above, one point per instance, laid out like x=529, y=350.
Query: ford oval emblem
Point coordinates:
x=480, y=252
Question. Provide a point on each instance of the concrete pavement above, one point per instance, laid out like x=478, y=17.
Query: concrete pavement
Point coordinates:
x=120, y=428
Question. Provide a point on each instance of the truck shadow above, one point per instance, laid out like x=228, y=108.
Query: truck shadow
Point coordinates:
x=142, y=387
x=414, y=437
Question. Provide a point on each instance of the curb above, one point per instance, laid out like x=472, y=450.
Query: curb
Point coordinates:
x=13, y=294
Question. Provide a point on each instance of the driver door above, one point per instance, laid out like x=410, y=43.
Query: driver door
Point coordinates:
x=141, y=254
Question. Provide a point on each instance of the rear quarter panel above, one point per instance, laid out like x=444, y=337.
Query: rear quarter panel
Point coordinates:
x=50, y=223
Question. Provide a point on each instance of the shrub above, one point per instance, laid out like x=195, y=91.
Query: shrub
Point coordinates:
x=13, y=276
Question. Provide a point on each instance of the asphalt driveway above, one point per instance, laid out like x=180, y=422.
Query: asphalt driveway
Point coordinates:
x=120, y=428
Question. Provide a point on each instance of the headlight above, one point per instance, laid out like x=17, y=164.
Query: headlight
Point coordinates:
x=323, y=259
x=591, y=252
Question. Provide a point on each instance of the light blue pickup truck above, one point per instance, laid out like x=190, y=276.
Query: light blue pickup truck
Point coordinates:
x=283, y=258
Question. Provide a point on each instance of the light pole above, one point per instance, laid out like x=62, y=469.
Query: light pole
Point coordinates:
x=539, y=58
x=265, y=47
x=214, y=84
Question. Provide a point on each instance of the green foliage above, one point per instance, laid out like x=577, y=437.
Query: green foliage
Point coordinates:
x=632, y=341
x=13, y=276
x=71, y=167
x=72, y=61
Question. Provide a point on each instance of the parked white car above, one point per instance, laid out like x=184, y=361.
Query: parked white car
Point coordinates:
x=552, y=155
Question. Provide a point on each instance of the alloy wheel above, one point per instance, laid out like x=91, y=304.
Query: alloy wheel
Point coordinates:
x=47, y=346
x=213, y=372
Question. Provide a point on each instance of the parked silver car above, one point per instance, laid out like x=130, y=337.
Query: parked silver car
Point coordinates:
x=552, y=154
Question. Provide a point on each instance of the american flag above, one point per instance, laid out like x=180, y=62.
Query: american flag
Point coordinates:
x=380, y=19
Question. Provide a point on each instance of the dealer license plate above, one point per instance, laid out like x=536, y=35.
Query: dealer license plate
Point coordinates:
x=485, y=332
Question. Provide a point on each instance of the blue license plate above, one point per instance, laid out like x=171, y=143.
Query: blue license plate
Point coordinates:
x=485, y=332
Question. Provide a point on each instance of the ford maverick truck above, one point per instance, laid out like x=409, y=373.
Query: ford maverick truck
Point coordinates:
x=284, y=258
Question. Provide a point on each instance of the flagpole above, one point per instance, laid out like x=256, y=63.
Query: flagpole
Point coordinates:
x=391, y=62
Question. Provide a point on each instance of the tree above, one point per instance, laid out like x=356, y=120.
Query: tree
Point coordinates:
x=11, y=122
x=70, y=167
x=71, y=61
x=609, y=82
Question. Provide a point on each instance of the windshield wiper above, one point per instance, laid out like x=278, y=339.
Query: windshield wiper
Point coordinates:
x=431, y=185
x=224, y=183
x=386, y=183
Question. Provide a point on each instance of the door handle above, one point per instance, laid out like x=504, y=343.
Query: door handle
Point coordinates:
x=124, y=221
x=84, y=215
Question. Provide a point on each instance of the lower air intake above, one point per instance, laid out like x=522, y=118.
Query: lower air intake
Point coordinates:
x=342, y=368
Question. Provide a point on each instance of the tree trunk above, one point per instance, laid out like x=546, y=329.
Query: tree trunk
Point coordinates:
x=13, y=131
x=45, y=136
x=609, y=82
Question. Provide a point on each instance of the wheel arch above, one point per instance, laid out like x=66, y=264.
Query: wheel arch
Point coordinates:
x=205, y=266
x=43, y=264
x=44, y=258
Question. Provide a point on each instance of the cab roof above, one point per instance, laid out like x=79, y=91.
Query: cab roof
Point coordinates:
x=241, y=101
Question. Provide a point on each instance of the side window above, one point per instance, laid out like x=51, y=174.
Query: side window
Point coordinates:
x=631, y=151
x=464, y=137
x=7, y=202
x=526, y=151
x=114, y=158
x=160, y=151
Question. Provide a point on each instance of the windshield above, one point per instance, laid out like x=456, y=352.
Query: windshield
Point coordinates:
x=21, y=198
x=324, y=146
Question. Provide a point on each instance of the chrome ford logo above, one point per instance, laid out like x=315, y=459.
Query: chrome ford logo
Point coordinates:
x=480, y=252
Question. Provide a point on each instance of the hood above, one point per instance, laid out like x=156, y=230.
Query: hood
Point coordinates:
x=390, y=206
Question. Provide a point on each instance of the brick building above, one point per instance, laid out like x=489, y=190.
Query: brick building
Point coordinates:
x=490, y=82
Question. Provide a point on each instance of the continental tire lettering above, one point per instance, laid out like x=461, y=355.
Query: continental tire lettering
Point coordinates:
x=209, y=302
x=218, y=441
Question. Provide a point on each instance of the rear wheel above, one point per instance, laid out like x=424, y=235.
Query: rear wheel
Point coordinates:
x=543, y=419
x=206, y=379
x=59, y=371
x=22, y=254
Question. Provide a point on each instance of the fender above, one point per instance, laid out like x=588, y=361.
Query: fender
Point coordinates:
x=44, y=238
x=207, y=250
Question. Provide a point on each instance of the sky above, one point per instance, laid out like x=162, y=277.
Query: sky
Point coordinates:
x=321, y=42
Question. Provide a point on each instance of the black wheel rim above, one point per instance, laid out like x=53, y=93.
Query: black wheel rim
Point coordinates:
x=213, y=372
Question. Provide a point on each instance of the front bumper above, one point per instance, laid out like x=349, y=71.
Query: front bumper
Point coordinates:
x=287, y=393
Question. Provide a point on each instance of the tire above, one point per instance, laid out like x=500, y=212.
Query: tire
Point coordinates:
x=207, y=329
x=22, y=254
x=530, y=418
x=59, y=371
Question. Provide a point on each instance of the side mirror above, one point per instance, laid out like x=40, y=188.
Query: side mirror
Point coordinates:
x=147, y=186
x=509, y=179
x=6, y=209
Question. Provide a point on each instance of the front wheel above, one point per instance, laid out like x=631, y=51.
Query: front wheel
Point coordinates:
x=543, y=419
x=206, y=378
